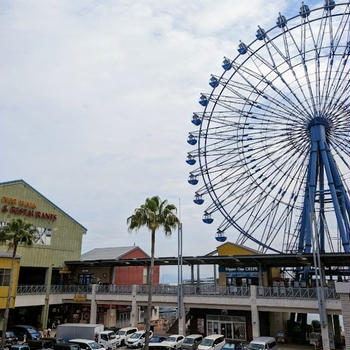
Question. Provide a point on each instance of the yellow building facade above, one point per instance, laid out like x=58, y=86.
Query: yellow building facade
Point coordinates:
x=5, y=270
x=243, y=275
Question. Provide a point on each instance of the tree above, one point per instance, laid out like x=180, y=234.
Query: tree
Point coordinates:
x=154, y=214
x=14, y=233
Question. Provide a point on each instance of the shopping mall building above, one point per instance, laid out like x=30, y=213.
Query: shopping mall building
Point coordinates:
x=59, y=239
x=55, y=259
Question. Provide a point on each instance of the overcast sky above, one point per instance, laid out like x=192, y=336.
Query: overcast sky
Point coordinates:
x=96, y=98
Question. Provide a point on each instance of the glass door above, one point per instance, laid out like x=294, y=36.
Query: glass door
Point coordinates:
x=226, y=330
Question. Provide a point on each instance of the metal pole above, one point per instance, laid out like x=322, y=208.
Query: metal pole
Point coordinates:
x=179, y=274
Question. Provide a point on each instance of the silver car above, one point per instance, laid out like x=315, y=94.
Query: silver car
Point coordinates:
x=191, y=342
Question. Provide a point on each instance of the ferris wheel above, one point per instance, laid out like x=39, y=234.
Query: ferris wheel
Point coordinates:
x=271, y=149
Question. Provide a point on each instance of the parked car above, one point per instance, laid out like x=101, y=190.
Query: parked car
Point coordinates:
x=40, y=344
x=66, y=346
x=174, y=341
x=233, y=345
x=212, y=342
x=137, y=339
x=157, y=339
x=124, y=334
x=20, y=347
x=10, y=338
x=192, y=341
x=27, y=331
x=263, y=343
x=159, y=346
x=87, y=344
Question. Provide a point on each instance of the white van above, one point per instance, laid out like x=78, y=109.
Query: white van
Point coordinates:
x=212, y=342
x=137, y=339
x=108, y=339
x=124, y=334
x=86, y=344
x=263, y=343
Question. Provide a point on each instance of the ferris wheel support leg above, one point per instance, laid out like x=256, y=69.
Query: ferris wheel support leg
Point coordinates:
x=321, y=188
x=305, y=218
x=338, y=212
x=343, y=197
x=311, y=192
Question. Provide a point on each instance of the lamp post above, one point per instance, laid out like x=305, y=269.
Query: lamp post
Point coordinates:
x=180, y=306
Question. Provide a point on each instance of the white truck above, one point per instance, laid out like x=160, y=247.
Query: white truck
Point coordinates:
x=68, y=331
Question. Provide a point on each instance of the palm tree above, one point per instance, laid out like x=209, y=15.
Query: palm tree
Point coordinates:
x=153, y=214
x=14, y=233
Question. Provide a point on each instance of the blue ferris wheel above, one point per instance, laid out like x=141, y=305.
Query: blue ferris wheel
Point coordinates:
x=271, y=148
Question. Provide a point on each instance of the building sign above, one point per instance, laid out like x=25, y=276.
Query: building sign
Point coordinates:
x=24, y=208
x=245, y=272
x=79, y=298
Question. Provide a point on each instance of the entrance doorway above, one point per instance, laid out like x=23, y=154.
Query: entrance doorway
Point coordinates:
x=232, y=327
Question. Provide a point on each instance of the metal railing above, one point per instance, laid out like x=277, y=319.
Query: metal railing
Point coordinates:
x=55, y=289
x=294, y=293
x=189, y=290
x=215, y=290
x=113, y=289
x=31, y=289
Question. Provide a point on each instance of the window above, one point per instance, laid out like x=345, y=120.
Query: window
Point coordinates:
x=5, y=277
x=85, y=278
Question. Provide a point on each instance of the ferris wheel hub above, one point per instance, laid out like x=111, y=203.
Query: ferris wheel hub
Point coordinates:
x=320, y=120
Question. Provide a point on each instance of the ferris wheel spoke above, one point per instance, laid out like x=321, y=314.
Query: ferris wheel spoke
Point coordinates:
x=328, y=83
x=306, y=70
x=269, y=187
x=274, y=68
x=262, y=92
x=282, y=108
x=340, y=101
x=269, y=83
x=337, y=145
x=226, y=102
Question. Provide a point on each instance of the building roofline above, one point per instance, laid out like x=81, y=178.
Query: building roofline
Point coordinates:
x=266, y=260
x=131, y=250
x=40, y=194
x=240, y=246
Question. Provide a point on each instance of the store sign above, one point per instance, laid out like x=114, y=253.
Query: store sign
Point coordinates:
x=245, y=272
x=79, y=298
x=24, y=208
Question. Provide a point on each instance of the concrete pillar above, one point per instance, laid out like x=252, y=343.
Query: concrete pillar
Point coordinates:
x=134, y=316
x=111, y=319
x=192, y=274
x=93, y=309
x=343, y=289
x=214, y=274
x=325, y=336
x=255, y=312
x=182, y=320
x=198, y=276
x=260, y=276
x=330, y=332
x=45, y=311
